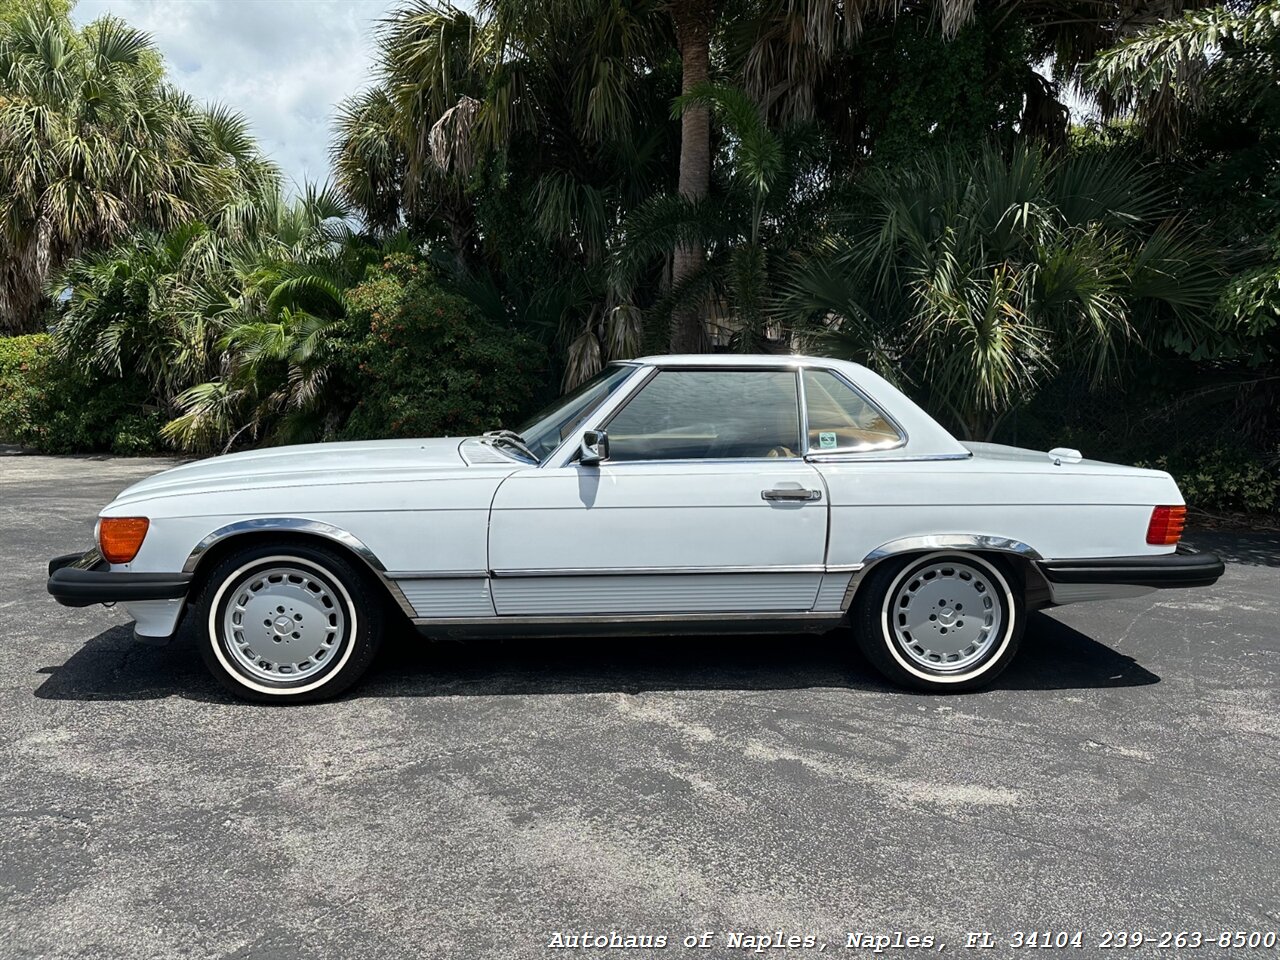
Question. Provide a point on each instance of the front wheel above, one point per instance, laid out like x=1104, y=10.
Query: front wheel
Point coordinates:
x=945, y=622
x=288, y=623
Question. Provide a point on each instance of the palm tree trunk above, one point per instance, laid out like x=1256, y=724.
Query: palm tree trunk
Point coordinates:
x=23, y=269
x=694, y=20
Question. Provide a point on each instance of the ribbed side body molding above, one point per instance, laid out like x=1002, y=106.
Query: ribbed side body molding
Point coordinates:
x=467, y=597
x=831, y=591
x=655, y=594
x=1079, y=592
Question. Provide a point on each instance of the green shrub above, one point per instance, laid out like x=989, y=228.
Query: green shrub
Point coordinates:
x=20, y=360
x=424, y=362
x=1215, y=434
x=1225, y=480
x=49, y=405
x=138, y=434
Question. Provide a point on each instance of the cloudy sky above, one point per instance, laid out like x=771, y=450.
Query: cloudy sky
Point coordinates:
x=284, y=64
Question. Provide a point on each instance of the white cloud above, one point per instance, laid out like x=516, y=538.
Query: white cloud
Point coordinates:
x=284, y=64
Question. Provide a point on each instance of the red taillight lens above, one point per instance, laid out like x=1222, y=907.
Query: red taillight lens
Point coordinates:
x=1165, y=528
x=119, y=538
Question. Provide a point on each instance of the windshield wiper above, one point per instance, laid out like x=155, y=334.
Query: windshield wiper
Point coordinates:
x=513, y=439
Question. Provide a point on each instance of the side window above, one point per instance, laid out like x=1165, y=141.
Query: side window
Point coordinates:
x=709, y=415
x=840, y=419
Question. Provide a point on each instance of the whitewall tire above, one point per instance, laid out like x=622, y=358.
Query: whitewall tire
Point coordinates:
x=945, y=622
x=288, y=622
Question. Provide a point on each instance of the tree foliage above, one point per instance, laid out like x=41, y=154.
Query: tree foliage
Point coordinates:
x=95, y=144
x=765, y=197
x=532, y=188
x=230, y=329
x=1204, y=90
x=1168, y=74
x=431, y=364
x=978, y=275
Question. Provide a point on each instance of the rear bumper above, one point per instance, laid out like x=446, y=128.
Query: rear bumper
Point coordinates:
x=79, y=580
x=1184, y=568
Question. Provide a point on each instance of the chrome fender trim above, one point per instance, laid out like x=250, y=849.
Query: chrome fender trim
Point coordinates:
x=932, y=543
x=312, y=528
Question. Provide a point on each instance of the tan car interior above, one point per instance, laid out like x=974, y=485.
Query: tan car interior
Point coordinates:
x=839, y=418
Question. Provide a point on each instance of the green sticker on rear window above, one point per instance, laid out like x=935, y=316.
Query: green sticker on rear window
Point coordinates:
x=826, y=440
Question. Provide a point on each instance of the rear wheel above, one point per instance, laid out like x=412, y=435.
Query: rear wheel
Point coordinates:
x=288, y=623
x=943, y=622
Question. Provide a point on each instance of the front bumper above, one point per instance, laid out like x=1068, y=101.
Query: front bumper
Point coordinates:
x=79, y=580
x=1183, y=568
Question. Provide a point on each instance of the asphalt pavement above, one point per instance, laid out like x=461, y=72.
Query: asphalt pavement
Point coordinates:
x=482, y=800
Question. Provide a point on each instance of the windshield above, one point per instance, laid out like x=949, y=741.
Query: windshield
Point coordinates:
x=544, y=432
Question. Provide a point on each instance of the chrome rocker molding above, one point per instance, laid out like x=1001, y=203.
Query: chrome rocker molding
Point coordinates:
x=313, y=528
x=438, y=574
x=635, y=625
x=944, y=541
x=655, y=571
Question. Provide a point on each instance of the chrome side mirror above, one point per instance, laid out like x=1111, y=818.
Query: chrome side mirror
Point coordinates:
x=594, y=449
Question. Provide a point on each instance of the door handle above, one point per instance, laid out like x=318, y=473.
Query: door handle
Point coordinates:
x=791, y=495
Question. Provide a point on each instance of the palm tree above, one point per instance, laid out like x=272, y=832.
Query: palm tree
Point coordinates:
x=138, y=309
x=763, y=204
x=436, y=60
x=278, y=312
x=789, y=44
x=231, y=328
x=979, y=275
x=516, y=138
x=1205, y=85
x=565, y=88
x=528, y=105
x=16, y=10
x=455, y=87
x=94, y=143
x=695, y=23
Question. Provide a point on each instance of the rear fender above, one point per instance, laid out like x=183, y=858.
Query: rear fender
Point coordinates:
x=965, y=542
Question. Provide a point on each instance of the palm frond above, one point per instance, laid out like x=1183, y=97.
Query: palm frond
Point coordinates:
x=1160, y=74
x=660, y=225
x=758, y=157
x=583, y=360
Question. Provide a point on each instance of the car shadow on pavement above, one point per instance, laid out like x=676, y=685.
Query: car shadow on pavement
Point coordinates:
x=1054, y=656
x=1259, y=549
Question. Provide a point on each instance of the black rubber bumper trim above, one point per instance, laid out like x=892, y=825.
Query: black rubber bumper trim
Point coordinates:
x=67, y=559
x=79, y=580
x=1185, y=568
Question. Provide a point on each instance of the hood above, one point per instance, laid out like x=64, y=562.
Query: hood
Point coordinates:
x=305, y=465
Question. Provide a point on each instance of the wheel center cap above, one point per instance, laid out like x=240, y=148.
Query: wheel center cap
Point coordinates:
x=283, y=626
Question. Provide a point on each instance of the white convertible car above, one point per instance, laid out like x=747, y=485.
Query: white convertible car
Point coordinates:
x=668, y=495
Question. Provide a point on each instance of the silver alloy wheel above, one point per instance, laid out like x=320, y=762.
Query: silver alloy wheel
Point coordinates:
x=283, y=623
x=946, y=614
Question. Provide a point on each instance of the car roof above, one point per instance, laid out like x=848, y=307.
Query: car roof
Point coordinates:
x=739, y=360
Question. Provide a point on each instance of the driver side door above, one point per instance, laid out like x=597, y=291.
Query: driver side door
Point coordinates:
x=704, y=505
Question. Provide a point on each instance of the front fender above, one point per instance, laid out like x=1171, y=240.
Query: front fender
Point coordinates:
x=302, y=527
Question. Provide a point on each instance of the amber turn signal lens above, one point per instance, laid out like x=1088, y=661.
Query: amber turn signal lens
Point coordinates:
x=119, y=538
x=1165, y=528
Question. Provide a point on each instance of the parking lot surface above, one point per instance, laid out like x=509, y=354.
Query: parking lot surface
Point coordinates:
x=473, y=801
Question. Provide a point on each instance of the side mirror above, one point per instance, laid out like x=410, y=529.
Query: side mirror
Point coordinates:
x=595, y=448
